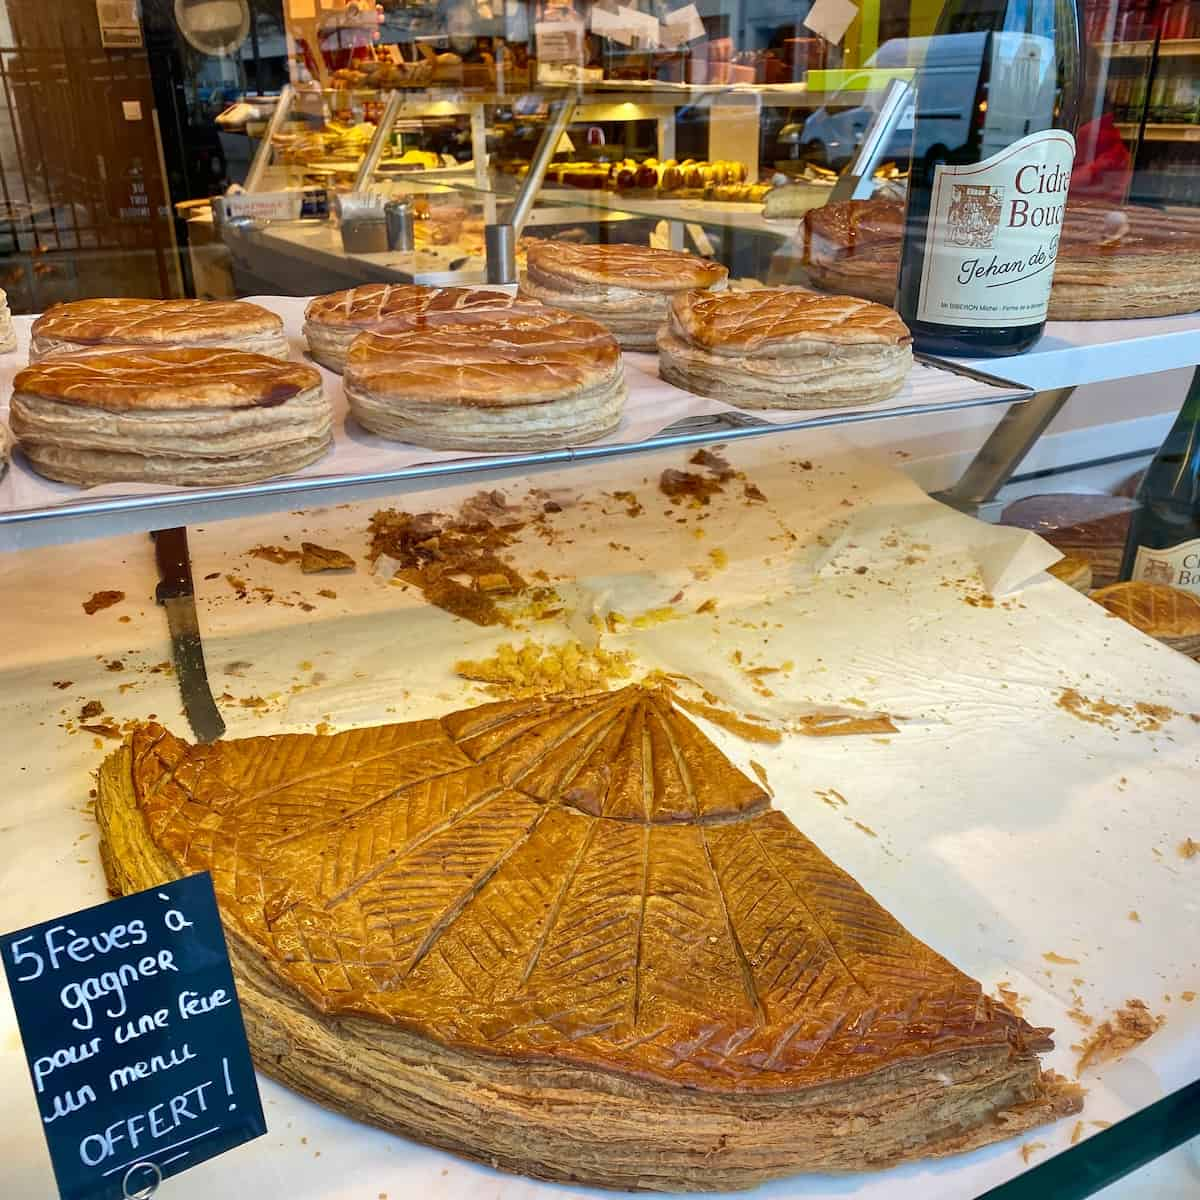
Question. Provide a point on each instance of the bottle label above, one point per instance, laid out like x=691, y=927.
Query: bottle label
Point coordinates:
x=993, y=234
x=1178, y=565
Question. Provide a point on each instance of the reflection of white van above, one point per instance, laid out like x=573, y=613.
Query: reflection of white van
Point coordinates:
x=946, y=71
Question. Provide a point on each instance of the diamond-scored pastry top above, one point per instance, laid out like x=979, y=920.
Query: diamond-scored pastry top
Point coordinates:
x=128, y=320
x=372, y=303
x=1156, y=608
x=171, y=378
x=583, y=880
x=563, y=264
x=488, y=357
x=769, y=318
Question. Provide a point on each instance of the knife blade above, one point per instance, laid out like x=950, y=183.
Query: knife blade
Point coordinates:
x=177, y=596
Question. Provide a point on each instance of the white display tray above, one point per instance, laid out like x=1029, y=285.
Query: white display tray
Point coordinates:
x=1001, y=829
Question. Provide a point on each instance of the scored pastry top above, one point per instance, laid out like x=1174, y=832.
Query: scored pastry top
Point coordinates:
x=372, y=303
x=567, y=265
x=172, y=378
x=1155, y=608
x=567, y=880
x=773, y=319
x=147, y=322
x=526, y=353
x=875, y=228
x=853, y=227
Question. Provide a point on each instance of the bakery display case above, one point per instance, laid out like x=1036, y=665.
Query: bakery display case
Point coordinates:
x=650, y=724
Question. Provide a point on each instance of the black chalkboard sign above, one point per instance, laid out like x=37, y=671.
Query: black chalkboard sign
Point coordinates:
x=134, y=1038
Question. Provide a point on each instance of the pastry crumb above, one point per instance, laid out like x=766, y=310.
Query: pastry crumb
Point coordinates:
x=1129, y=1026
x=1142, y=715
x=1133, y=916
x=102, y=600
x=314, y=559
x=534, y=670
x=750, y=730
x=1029, y=1149
x=1189, y=848
x=1060, y=959
x=843, y=725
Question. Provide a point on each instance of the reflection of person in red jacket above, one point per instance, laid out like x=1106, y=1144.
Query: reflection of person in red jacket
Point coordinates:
x=1102, y=162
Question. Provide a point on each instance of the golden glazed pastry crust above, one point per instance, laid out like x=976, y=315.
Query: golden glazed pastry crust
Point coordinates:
x=625, y=288
x=147, y=380
x=190, y=417
x=1112, y=262
x=522, y=377
x=784, y=348
x=570, y=266
x=122, y=321
x=1075, y=572
x=1169, y=614
x=568, y=938
x=783, y=321
x=332, y=322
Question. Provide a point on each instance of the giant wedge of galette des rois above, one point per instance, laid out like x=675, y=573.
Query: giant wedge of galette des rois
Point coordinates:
x=568, y=938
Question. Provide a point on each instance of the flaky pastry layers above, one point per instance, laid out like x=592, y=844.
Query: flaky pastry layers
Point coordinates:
x=626, y=288
x=1112, y=262
x=122, y=321
x=568, y=938
x=784, y=348
x=523, y=378
x=332, y=322
x=188, y=417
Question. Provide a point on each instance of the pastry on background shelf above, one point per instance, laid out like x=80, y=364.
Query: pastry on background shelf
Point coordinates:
x=332, y=322
x=8, y=335
x=853, y=248
x=567, y=937
x=784, y=348
x=626, y=288
x=1112, y=262
x=120, y=321
x=177, y=416
x=525, y=377
x=1074, y=572
x=1168, y=614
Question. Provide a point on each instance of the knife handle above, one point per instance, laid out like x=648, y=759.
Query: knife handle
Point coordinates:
x=174, y=564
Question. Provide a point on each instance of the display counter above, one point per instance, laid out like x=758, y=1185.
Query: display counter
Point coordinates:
x=1007, y=804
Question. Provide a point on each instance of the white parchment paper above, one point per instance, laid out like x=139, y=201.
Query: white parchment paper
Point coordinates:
x=996, y=825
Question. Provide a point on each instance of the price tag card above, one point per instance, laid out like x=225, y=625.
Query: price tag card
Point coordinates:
x=559, y=41
x=134, y=1039
x=831, y=18
x=263, y=206
x=683, y=25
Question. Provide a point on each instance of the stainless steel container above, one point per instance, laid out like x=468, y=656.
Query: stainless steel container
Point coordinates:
x=399, y=216
x=365, y=234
